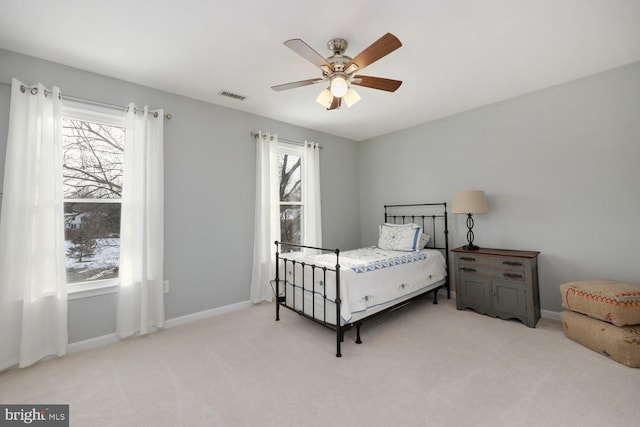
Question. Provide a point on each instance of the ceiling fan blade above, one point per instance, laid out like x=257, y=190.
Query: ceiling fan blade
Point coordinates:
x=335, y=103
x=307, y=52
x=380, y=48
x=293, y=85
x=389, y=85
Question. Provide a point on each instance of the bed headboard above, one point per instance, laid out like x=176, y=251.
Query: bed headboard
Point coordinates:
x=432, y=217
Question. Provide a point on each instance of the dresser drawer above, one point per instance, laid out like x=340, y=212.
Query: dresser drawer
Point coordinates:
x=493, y=272
x=505, y=268
x=495, y=261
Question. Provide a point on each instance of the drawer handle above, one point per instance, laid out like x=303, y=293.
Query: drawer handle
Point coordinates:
x=513, y=275
x=467, y=258
x=468, y=269
x=511, y=263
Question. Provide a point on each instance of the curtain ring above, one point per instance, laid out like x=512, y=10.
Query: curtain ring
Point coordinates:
x=22, y=88
x=34, y=91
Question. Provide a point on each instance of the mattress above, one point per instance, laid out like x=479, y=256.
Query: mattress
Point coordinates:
x=371, y=280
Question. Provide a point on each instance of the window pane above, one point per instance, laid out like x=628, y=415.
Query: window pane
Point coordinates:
x=289, y=173
x=290, y=217
x=92, y=240
x=93, y=157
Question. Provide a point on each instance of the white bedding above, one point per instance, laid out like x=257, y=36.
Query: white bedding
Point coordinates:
x=369, y=278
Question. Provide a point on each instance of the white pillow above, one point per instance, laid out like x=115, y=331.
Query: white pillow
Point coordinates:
x=399, y=237
x=424, y=239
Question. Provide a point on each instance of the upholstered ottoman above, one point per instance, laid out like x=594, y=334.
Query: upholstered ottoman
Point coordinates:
x=613, y=302
x=620, y=343
x=605, y=317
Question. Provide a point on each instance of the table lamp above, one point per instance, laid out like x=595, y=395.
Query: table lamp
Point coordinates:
x=469, y=202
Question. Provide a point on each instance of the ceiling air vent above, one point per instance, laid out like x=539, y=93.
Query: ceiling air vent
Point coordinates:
x=232, y=95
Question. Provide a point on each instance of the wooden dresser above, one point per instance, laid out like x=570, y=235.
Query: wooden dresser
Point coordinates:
x=498, y=282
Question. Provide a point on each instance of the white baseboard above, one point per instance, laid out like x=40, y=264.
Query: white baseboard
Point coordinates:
x=206, y=314
x=112, y=338
x=91, y=343
x=554, y=315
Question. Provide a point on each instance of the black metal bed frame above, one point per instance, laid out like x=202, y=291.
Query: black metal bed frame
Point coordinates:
x=434, y=243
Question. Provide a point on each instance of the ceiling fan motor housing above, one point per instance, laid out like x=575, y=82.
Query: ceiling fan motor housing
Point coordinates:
x=338, y=60
x=337, y=46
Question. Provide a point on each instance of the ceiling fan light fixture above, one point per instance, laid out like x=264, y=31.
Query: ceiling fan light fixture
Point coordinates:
x=325, y=98
x=351, y=69
x=339, y=86
x=351, y=97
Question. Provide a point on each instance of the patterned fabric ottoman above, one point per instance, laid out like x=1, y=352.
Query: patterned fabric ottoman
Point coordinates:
x=620, y=343
x=613, y=302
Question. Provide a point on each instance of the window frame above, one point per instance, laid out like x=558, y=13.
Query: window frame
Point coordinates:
x=95, y=114
x=294, y=150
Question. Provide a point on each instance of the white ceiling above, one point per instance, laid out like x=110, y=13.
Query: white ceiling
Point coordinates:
x=456, y=54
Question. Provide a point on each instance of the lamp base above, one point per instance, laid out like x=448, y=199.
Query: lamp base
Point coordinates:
x=470, y=246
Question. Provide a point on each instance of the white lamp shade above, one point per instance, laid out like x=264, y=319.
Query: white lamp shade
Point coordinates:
x=325, y=98
x=351, y=97
x=469, y=202
x=339, y=86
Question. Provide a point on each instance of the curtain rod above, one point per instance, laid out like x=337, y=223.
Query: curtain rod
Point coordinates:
x=84, y=101
x=289, y=141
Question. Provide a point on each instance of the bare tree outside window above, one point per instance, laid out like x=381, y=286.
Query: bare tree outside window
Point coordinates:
x=289, y=173
x=93, y=155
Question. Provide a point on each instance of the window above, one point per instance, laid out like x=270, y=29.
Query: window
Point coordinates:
x=291, y=197
x=93, y=155
x=287, y=205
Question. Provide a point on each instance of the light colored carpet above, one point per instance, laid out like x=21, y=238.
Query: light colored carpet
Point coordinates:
x=423, y=365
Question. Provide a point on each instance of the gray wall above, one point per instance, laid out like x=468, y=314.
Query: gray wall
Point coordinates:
x=560, y=168
x=209, y=183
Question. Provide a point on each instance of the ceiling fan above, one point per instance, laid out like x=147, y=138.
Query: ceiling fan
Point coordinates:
x=340, y=70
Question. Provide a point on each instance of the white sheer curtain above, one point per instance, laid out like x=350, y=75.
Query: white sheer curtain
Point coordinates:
x=267, y=217
x=141, y=297
x=33, y=290
x=312, y=232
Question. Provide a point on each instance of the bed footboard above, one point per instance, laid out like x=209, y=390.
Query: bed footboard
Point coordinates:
x=291, y=267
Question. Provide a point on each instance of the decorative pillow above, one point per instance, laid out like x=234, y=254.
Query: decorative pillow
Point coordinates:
x=424, y=239
x=399, y=237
